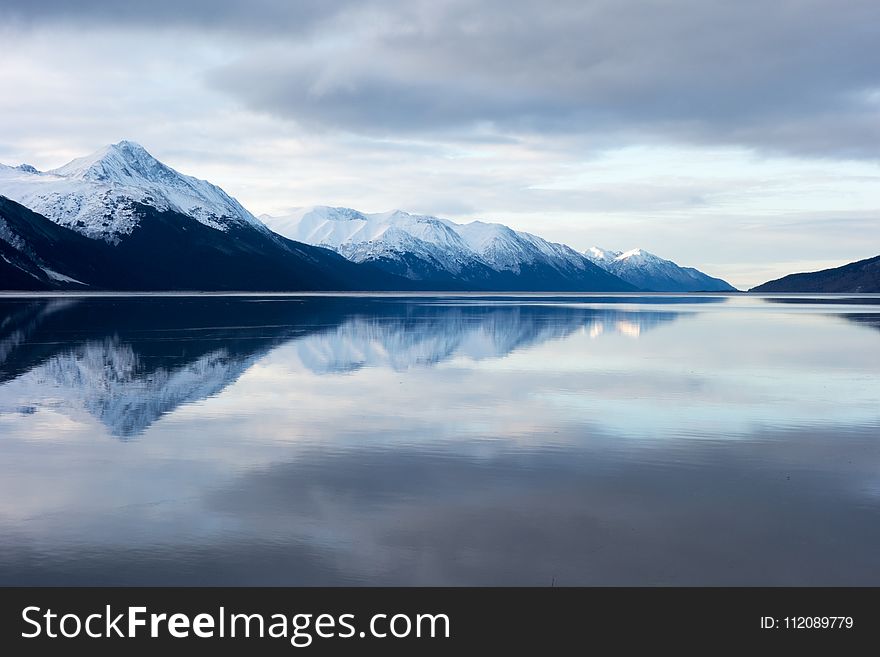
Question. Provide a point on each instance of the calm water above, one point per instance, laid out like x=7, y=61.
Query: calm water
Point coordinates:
x=445, y=440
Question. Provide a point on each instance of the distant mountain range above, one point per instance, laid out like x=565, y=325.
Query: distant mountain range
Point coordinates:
x=486, y=255
x=856, y=277
x=649, y=272
x=439, y=253
x=121, y=220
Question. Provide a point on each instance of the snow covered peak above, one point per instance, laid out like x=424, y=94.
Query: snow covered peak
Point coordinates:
x=505, y=249
x=637, y=254
x=651, y=272
x=422, y=245
x=334, y=227
x=321, y=225
x=481, y=235
x=338, y=214
x=97, y=195
x=125, y=162
x=633, y=257
x=600, y=256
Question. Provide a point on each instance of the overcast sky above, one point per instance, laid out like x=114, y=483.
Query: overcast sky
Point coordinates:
x=742, y=137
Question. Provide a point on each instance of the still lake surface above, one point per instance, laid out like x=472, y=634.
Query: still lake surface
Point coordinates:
x=458, y=440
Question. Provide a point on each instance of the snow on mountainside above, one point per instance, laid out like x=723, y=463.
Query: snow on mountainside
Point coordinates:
x=361, y=237
x=96, y=195
x=650, y=272
x=600, y=256
x=36, y=253
x=506, y=249
x=421, y=247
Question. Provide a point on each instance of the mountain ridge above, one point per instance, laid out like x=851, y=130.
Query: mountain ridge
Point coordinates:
x=429, y=249
x=96, y=194
x=162, y=229
x=169, y=251
x=861, y=276
x=650, y=272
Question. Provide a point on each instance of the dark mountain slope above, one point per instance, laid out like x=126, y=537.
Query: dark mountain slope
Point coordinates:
x=861, y=276
x=170, y=251
x=38, y=254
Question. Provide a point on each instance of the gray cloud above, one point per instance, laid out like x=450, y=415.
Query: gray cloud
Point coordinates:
x=254, y=16
x=795, y=77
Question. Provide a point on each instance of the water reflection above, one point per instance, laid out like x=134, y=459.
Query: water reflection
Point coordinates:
x=850, y=308
x=130, y=361
x=586, y=440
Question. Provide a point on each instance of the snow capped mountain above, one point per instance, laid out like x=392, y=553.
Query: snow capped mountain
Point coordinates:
x=97, y=195
x=650, y=272
x=476, y=255
x=169, y=251
x=390, y=236
x=506, y=249
x=121, y=220
x=151, y=227
x=600, y=256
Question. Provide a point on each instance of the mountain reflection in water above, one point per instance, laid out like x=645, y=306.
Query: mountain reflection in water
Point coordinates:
x=446, y=440
x=129, y=361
